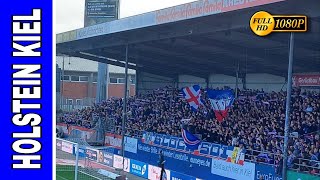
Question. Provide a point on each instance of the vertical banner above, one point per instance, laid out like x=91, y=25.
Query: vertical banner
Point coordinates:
x=26, y=89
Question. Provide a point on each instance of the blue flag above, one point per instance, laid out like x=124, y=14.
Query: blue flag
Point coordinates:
x=191, y=141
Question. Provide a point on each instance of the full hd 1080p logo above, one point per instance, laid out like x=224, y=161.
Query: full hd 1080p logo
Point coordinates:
x=262, y=23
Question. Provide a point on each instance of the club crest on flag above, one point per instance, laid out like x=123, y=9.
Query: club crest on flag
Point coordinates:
x=221, y=101
x=190, y=140
x=192, y=95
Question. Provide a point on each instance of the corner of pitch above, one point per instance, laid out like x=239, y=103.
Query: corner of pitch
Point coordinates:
x=26, y=90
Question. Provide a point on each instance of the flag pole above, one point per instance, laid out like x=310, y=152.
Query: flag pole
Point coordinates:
x=288, y=101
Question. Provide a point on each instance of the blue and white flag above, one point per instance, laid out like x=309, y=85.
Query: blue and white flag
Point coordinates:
x=221, y=101
x=191, y=141
x=192, y=95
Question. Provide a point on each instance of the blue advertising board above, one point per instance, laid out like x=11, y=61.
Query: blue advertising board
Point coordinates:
x=178, y=176
x=107, y=158
x=267, y=172
x=185, y=163
x=139, y=168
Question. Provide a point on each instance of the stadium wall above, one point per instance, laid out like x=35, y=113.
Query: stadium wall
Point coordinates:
x=267, y=82
x=147, y=82
x=188, y=80
x=221, y=80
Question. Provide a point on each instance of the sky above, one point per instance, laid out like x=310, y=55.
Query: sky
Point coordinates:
x=70, y=13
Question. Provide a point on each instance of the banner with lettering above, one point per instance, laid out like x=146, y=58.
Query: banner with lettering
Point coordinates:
x=26, y=89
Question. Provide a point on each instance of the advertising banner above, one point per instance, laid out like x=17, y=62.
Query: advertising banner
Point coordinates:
x=139, y=168
x=179, y=161
x=130, y=144
x=99, y=11
x=82, y=152
x=266, y=172
x=292, y=175
x=92, y=154
x=127, y=164
x=59, y=144
x=178, y=176
x=154, y=173
x=105, y=158
x=232, y=170
x=113, y=140
x=75, y=131
x=117, y=161
x=206, y=149
x=67, y=147
x=203, y=8
x=306, y=80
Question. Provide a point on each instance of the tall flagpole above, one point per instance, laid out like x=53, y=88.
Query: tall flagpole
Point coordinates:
x=288, y=101
x=124, y=118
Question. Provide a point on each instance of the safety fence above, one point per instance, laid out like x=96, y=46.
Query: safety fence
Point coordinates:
x=209, y=161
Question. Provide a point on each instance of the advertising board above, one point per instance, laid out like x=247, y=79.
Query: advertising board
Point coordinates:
x=292, y=175
x=154, y=173
x=178, y=176
x=59, y=144
x=139, y=168
x=67, y=147
x=306, y=80
x=92, y=154
x=117, y=161
x=100, y=11
x=105, y=158
x=130, y=144
x=113, y=140
x=266, y=171
x=232, y=170
x=179, y=161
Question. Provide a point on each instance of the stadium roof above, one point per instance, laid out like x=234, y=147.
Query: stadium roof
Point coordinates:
x=199, y=38
x=84, y=65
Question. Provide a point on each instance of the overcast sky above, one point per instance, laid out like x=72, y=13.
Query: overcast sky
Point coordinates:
x=70, y=13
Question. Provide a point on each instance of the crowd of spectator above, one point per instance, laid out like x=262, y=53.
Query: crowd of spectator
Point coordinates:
x=255, y=122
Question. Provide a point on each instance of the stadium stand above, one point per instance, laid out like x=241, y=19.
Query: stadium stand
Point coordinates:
x=255, y=122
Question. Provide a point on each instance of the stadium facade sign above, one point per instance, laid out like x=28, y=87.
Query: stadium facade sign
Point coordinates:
x=306, y=80
x=204, y=8
x=172, y=14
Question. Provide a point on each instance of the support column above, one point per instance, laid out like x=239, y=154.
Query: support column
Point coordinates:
x=102, y=82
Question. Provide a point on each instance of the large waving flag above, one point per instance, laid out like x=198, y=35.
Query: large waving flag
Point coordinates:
x=191, y=141
x=221, y=101
x=192, y=95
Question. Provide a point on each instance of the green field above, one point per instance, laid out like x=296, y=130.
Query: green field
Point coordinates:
x=67, y=173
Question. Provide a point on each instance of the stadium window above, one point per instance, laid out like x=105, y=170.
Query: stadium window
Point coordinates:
x=79, y=102
x=95, y=79
x=74, y=78
x=65, y=78
x=113, y=80
x=69, y=101
x=121, y=80
x=133, y=81
x=84, y=78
